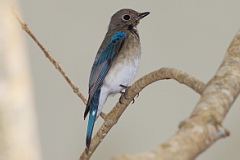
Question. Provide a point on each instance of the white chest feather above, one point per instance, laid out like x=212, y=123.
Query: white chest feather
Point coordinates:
x=122, y=72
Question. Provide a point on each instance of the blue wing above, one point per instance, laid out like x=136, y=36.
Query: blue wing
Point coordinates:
x=104, y=58
x=108, y=51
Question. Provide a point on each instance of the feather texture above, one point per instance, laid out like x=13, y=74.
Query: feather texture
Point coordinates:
x=101, y=66
x=116, y=63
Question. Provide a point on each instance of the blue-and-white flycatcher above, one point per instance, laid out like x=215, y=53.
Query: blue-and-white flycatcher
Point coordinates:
x=116, y=63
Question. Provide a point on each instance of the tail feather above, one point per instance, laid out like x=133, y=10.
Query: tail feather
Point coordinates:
x=93, y=108
x=91, y=123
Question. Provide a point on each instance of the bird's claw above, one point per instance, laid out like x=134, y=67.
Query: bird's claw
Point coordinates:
x=123, y=94
x=137, y=95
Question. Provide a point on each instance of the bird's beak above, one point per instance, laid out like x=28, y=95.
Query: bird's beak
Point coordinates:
x=142, y=15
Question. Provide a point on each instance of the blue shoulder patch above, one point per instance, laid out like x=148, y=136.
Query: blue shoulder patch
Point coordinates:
x=118, y=36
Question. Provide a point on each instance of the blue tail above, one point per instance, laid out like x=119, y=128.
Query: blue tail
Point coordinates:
x=93, y=108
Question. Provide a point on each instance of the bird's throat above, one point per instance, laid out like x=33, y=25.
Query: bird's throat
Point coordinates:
x=133, y=29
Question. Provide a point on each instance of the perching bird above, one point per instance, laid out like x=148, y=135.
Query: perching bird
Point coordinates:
x=116, y=63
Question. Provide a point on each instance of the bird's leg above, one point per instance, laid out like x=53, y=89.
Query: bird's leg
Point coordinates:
x=123, y=94
x=126, y=87
x=120, y=98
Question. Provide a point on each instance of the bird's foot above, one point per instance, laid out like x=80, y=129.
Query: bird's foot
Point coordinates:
x=123, y=94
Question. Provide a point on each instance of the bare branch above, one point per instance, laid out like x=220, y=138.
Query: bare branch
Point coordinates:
x=203, y=127
x=112, y=118
x=51, y=59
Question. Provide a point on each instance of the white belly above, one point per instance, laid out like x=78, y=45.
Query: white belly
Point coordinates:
x=122, y=71
x=121, y=74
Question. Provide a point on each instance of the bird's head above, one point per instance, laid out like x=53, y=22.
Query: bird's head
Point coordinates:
x=126, y=19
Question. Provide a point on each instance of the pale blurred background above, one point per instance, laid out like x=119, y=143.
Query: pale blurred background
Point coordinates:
x=189, y=35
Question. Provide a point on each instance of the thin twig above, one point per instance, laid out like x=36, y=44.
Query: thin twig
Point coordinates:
x=51, y=59
x=114, y=115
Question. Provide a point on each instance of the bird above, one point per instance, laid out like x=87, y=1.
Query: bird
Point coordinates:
x=115, y=65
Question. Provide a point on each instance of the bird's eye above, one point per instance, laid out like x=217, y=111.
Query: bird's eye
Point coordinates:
x=126, y=17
